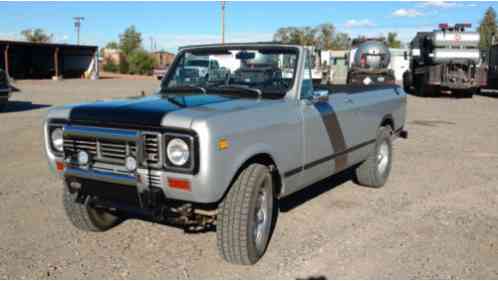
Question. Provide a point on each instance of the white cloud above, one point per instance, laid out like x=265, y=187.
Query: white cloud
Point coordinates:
x=441, y=4
x=352, y=23
x=407, y=13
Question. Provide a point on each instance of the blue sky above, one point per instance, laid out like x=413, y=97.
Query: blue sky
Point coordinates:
x=173, y=24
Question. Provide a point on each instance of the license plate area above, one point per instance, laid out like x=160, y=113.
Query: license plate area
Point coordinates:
x=116, y=193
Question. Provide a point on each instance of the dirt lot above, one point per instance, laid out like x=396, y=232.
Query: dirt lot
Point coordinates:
x=436, y=218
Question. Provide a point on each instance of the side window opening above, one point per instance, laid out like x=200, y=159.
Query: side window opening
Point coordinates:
x=307, y=85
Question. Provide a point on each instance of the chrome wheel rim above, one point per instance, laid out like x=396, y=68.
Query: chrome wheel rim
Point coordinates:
x=262, y=216
x=382, y=158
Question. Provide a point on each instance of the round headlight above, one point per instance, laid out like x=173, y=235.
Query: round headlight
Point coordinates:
x=57, y=140
x=178, y=152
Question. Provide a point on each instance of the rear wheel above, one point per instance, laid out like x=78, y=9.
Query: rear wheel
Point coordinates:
x=246, y=216
x=407, y=82
x=85, y=216
x=374, y=171
x=422, y=89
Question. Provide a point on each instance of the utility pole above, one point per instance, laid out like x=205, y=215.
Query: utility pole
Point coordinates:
x=77, y=25
x=222, y=22
x=151, y=44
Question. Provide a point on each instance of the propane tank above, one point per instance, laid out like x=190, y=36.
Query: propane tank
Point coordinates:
x=372, y=54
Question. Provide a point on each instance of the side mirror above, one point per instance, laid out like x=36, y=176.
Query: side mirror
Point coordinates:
x=405, y=55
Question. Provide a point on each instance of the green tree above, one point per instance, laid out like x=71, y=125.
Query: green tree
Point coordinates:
x=392, y=41
x=124, y=66
x=141, y=62
x=36, y=36
x=110, y=66
x=130, y=40
x=341, y=41
x=325, y=36
x=487, y=28
x=112, y=45
x=282, y=35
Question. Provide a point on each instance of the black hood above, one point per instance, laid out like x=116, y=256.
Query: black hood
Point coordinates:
x=147, y=111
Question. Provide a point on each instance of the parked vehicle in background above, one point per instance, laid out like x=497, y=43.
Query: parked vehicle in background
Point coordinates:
x=492, y=59
x=339, y=66
x=5, y=89
x=159, y=72
x=370, y=65
x=221, y=149
x=446, y=60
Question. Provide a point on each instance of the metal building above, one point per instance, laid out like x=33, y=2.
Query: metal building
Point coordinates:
x=26, y=60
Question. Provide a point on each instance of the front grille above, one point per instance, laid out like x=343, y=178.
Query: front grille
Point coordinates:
x=153, y=178
x=152, y=144
x=114, y=151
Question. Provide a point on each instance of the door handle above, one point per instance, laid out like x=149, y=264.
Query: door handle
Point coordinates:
x=348, y=100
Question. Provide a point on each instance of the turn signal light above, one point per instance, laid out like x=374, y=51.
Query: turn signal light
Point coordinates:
x=59, y=166
x=223, y=144
x=179, y=184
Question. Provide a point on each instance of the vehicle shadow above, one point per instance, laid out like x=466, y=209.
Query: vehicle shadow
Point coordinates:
x=457, y=95
x=18, y=106
x=310, y=192
x=314, y=277
x=285, y=204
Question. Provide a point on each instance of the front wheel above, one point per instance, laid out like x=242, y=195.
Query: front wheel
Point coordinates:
x=246, y=216
x=86, y=217
x=374, y=171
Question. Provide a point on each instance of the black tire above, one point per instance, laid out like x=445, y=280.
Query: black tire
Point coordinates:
x=407, y=82
x=238, y=214
x=85, y=217
x=368, y=173
x=419, y=86
x=422, y=89
x=470, y=93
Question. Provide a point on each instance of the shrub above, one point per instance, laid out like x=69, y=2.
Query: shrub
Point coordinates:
x=140, y=62
x=124, y=66
x=110, y=66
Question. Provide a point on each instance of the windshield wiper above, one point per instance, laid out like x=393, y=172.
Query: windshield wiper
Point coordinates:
x=239, y=88
x=183, y=88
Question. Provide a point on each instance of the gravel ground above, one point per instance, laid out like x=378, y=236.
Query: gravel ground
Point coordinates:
x=437, y=217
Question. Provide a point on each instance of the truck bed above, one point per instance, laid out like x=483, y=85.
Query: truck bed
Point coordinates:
x=354, y=88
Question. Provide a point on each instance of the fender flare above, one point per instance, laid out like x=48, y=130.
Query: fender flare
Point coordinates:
x=245, y=156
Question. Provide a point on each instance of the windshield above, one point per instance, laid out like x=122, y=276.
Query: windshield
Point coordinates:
x=201, y=63
x=264, y=70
